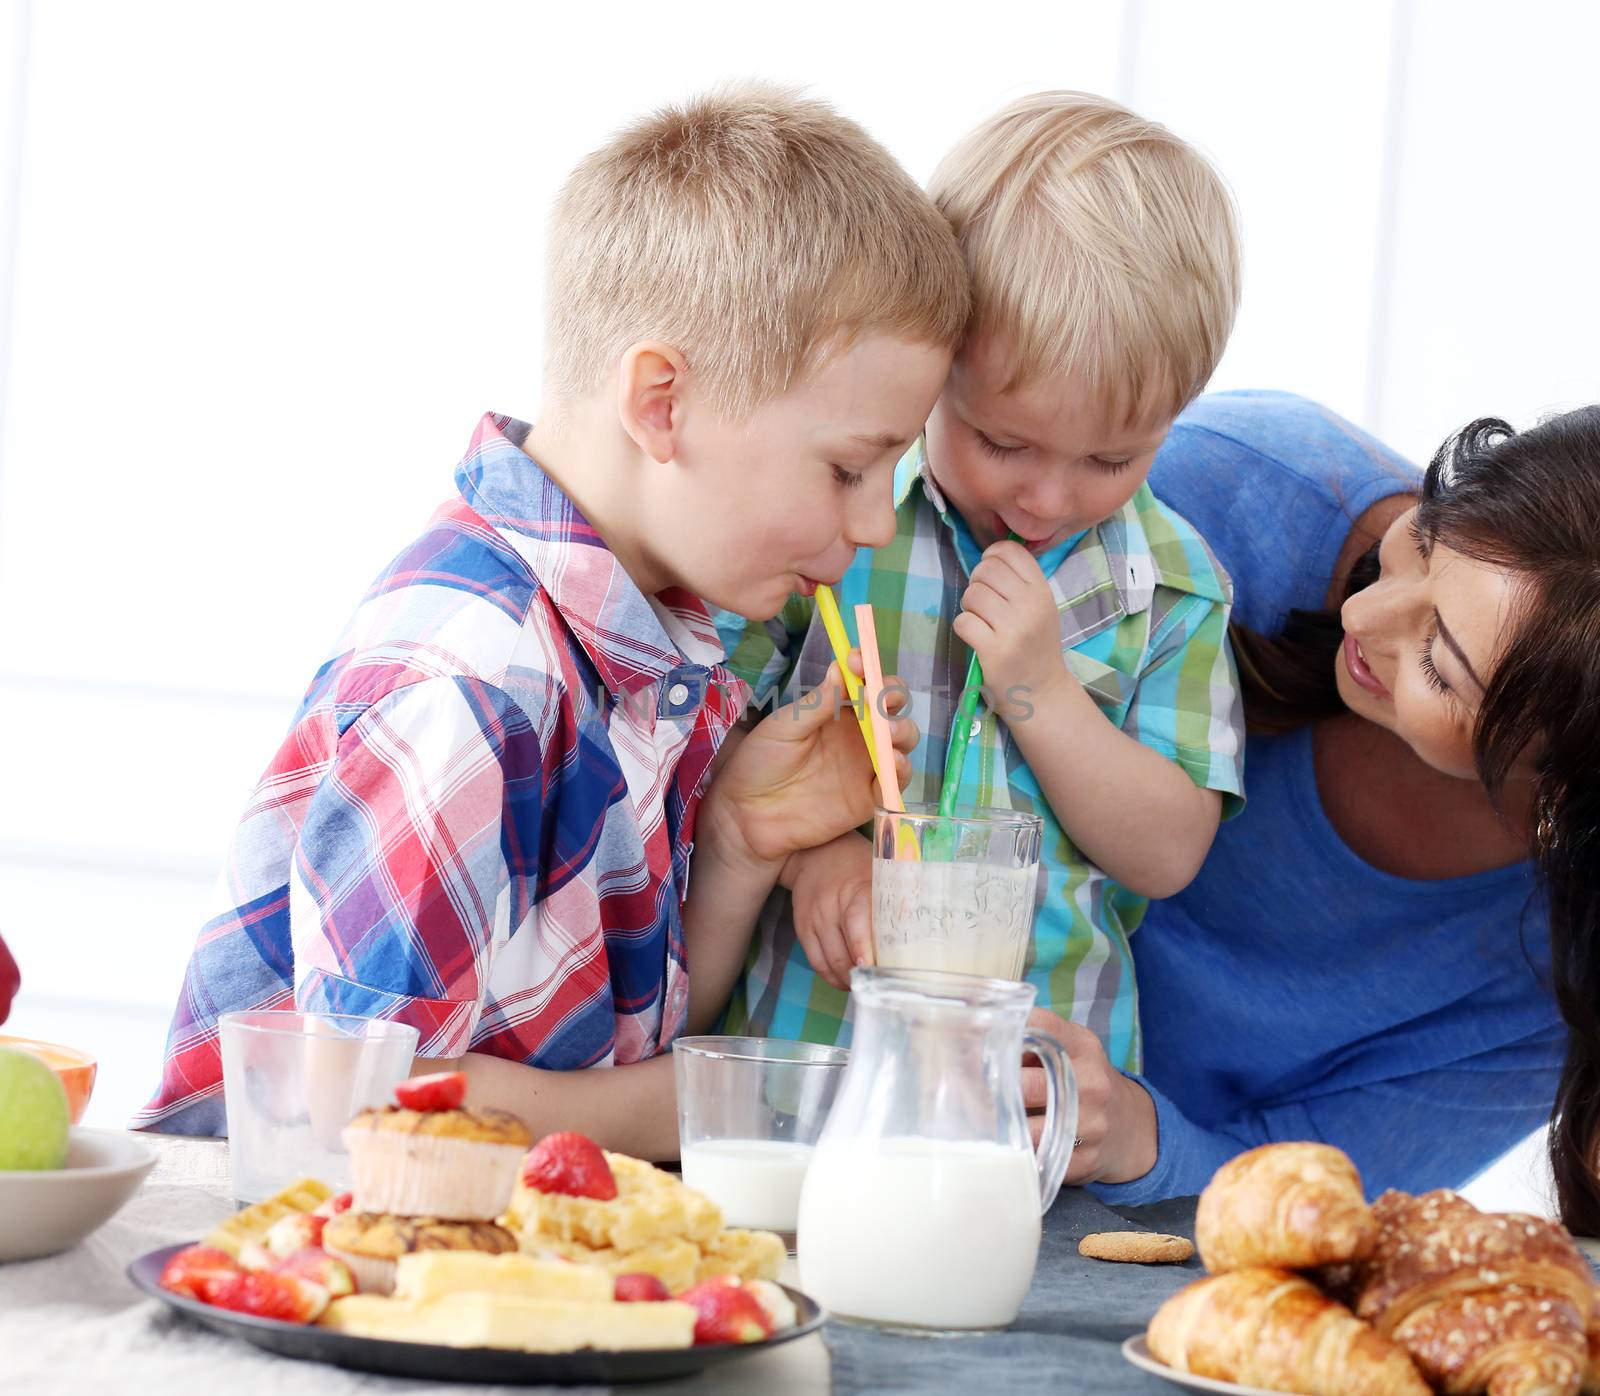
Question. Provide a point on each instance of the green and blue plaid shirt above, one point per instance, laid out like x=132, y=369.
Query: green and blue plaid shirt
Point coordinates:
x=1144, y=620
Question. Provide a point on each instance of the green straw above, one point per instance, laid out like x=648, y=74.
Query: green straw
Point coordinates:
x=961, y=731
x=960, y=736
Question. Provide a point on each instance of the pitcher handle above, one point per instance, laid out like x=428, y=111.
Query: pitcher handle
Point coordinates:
x=1060, y=1114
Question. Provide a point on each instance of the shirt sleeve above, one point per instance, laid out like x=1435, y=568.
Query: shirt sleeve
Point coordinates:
x=418, y=853
x=1187, y=705
x=764, y=653
x=1436, y=1128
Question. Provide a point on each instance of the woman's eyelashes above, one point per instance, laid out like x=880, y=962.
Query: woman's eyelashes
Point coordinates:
x=1421, y=540
x=1430, y=671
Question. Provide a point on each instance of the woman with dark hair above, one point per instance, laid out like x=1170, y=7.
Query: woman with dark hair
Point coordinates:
x=1396, y=947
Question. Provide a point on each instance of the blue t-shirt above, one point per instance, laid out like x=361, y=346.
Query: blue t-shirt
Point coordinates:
x=1294, y=991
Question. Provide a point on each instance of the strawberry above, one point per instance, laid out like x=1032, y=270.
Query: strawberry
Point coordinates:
x=320, y=1268
x=284, y=1297
x=444, y=1090
x=294, y=1232
x=728, y=1312
x=640, y=1289
x=196, y=1270
x=780, y=1308
x=334, y=1205
x=254, y=1256
x=569, y=1163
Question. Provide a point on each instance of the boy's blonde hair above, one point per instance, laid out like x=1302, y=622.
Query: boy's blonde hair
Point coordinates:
x=755, y=231
x=1098, y=243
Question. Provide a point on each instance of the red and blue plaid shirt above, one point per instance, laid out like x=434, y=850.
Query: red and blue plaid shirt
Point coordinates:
x=481, y=819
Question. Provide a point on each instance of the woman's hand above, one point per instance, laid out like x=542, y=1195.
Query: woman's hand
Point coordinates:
x=1116, y=1117
x=802, y=776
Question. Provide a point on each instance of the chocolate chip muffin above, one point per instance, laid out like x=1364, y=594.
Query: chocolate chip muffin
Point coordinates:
x=371, y=1242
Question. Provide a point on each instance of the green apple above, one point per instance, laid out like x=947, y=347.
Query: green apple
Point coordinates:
x=33, y=1113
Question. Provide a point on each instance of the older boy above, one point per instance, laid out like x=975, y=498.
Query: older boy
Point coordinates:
x=1105, y=272
x=481, y=821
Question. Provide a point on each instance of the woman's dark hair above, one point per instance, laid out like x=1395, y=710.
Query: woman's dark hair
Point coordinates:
x=1529, y=502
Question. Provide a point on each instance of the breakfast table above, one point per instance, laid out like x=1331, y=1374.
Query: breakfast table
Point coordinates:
x=74, y=1322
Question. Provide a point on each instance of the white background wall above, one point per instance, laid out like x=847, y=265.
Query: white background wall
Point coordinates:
x=263, y=265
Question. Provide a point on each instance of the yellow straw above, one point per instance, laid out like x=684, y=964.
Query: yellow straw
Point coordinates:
x=833, y=623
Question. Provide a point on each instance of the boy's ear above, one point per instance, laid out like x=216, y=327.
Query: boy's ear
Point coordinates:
x=650, y=397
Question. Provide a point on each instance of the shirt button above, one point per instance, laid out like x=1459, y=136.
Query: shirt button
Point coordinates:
x=678, y=695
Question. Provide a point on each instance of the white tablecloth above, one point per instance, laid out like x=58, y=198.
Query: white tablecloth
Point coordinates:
x=74, y=1323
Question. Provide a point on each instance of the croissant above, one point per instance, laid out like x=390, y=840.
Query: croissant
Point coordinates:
x=1483, y=1302
x=1293, y=1206
x=1271, y=1329
x=1591, y=1373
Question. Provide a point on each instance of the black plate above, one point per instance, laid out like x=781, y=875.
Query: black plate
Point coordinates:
x=437, y=1362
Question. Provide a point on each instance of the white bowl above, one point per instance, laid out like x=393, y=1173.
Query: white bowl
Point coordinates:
x=48, y=1210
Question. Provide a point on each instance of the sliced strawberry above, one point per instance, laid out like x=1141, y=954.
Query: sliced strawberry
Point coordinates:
x=641, y=1289
x=728, y=1312
x=320, y=1268
x=444, y=1090
x=334, y=1205
x=294, y=1232
x=254, y=1256
x=284, y=1297
x=569, y=1163
x=197, y=1270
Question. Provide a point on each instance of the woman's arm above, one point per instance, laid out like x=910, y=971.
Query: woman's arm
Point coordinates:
x=1429, y=1129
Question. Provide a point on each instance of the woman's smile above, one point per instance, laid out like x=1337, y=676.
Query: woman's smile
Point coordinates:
x=1355, y=662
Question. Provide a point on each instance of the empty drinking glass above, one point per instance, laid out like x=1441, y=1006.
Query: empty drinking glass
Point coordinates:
x=292, y=1081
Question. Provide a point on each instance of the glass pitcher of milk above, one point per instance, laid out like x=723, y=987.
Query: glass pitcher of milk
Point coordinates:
x=923, y=1201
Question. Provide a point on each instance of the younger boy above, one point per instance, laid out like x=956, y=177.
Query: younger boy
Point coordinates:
x=481, y=821
x=1104, y=267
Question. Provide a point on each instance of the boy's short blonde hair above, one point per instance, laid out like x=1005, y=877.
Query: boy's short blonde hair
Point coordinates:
x=754, y=230
x=1098, y=243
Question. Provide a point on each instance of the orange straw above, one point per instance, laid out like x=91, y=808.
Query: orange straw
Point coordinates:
x=882, y=741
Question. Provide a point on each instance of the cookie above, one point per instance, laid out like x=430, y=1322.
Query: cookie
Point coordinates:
x=1140, y=1247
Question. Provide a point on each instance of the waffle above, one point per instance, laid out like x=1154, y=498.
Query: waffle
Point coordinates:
x=253, y=1223
x=650, y=1206
x=466, y=1299
x=654, y=1226
x=747, y=1255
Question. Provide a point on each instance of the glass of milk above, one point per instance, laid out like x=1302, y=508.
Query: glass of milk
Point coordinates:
x=921, y=1209
x=955, y=892
x=750, y=1110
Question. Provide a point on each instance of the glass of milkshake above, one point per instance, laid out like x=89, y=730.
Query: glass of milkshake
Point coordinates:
x=955, y=893
x=750, y=1111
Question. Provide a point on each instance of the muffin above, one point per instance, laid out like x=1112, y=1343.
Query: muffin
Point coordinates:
x=370, y=1243
x=460, y=1165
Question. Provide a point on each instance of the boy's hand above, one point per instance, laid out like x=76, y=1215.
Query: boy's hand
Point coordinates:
x=832, y=891
x=802, y=776
x=1009, y=618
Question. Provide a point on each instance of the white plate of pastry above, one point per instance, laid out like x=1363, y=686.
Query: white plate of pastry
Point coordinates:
x=1137, y=1351
x=1313, y=1291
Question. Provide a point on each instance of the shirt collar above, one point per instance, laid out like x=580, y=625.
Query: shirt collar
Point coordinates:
x=633, y=640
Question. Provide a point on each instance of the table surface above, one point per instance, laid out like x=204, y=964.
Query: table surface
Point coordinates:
x=74, y=1322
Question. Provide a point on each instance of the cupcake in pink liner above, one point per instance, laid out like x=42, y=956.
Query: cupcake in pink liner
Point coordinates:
x=429, y=1156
